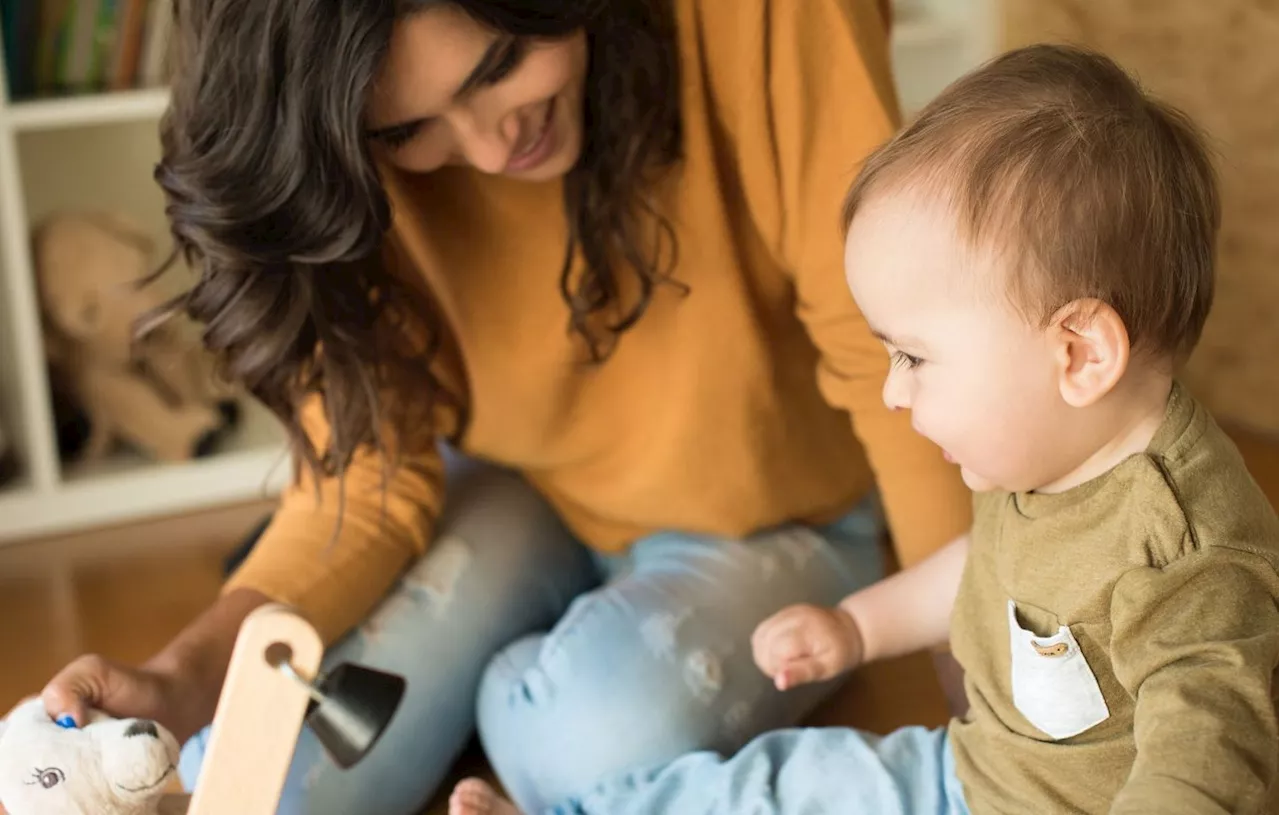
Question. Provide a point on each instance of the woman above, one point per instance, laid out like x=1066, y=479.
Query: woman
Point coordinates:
x=595, y=244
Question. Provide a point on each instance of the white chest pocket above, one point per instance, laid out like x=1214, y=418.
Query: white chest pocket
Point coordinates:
x=1053, y=686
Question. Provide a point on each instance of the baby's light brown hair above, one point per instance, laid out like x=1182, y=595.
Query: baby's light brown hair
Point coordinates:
x=1085, y=187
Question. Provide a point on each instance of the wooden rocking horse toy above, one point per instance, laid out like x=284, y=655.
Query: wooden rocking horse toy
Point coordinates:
x=271, y=689
x=108, y=766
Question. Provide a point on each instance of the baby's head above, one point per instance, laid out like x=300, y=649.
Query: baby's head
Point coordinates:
x=1036, y=250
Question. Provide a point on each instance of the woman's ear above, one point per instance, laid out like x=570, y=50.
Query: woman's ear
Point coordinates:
x=1091, y=349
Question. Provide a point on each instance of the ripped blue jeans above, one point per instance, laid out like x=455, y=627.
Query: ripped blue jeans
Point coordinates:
x=574, y=667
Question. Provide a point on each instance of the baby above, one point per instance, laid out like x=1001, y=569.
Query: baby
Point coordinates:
x=1036, y=251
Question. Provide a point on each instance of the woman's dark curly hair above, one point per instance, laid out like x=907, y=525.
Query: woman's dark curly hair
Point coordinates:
x=274, y=199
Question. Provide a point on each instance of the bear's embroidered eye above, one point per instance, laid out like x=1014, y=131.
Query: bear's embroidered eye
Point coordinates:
x=49, y=778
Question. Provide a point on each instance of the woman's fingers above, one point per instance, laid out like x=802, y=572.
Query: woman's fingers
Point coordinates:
x=92, y=682
x=74, y=690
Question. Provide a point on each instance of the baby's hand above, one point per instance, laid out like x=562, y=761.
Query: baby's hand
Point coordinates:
x=802, y=644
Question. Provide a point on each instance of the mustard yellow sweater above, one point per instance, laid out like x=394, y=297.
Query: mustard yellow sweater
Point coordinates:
x=751, y=401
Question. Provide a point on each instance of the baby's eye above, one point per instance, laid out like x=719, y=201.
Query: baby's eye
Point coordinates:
x=904, y=360
x=48, y=779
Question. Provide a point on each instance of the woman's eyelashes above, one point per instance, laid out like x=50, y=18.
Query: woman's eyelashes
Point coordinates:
x=400, y=135
x=511, y=59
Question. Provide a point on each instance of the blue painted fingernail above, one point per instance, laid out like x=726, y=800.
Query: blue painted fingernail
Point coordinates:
x=66, y=721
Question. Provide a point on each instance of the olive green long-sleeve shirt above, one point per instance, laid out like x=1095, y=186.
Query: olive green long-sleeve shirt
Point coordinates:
x=1119, y=639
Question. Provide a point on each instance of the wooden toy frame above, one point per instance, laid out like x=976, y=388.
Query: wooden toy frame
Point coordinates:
x=259, y=716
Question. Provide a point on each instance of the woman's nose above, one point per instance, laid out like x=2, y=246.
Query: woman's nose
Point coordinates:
x=488, y=146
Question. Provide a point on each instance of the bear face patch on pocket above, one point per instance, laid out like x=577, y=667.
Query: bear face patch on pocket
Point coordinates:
x=1053, y=686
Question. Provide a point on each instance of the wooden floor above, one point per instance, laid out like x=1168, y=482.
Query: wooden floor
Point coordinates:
x=123, y=592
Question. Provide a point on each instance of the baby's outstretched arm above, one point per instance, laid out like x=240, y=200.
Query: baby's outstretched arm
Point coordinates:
x=908, y=612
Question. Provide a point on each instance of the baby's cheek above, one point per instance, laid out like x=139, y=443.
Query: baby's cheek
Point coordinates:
x=940, y=423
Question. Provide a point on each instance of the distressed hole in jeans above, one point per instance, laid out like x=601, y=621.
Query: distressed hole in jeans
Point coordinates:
x=438, y=572
x=768, y=565
x=737, y=719
x=800, y=545
x=313, y=774
x=533, y=688
x=435, y=575
x=394, y=606
x=659, y=632
x=704, y=674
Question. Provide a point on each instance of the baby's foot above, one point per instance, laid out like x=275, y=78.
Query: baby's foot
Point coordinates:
x=474, y=797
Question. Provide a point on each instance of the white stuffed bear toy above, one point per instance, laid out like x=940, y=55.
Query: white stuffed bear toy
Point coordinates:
x=108, y=767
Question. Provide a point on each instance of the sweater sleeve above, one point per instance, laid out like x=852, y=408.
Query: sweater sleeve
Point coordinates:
x=1195, y=644
x=336, y=580
x=828, y=102
x=333, y=550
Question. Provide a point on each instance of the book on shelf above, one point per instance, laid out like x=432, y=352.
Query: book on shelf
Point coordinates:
x=60, y=47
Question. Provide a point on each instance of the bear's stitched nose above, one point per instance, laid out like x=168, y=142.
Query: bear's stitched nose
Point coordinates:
x=141, y=727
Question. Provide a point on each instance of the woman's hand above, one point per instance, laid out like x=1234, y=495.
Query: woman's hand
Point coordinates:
x=804, y=643
x=92, y=682
x=179, y=687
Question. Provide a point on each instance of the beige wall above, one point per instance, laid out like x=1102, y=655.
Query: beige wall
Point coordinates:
x=1217, y=60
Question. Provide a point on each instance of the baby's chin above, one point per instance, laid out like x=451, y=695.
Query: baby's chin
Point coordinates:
x=976, y=482
x=1009, y=483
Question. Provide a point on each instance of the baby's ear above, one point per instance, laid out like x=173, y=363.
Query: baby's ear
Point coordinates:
x=1092, y=351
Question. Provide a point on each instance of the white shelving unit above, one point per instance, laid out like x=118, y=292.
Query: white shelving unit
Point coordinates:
x=98, y=151
x=94, y=152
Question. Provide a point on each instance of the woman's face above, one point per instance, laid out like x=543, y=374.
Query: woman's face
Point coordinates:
x=452, y=92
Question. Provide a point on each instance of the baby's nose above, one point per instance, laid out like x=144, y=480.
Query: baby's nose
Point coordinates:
x=142, y=727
